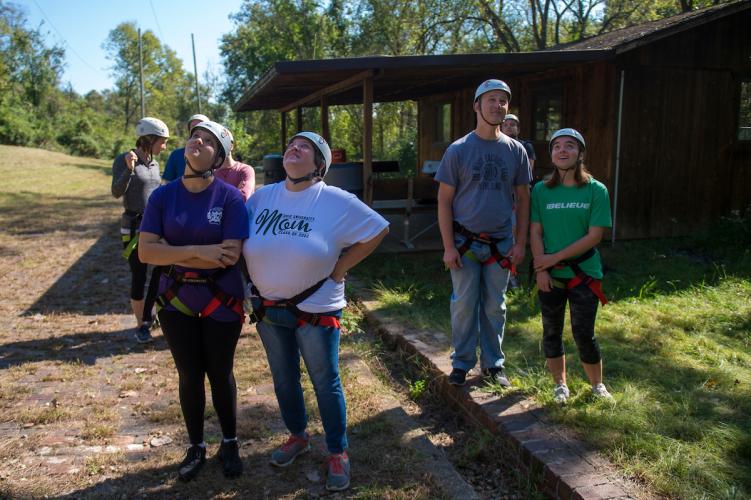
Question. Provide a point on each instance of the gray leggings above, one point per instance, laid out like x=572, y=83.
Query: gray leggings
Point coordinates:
x=583, y=311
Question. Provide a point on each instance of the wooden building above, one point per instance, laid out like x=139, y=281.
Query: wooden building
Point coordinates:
x=665, y=108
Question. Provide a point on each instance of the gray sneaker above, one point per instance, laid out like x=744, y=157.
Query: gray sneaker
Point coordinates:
x=143, y=334
x=288, y=452
x=338, y=472
x=560, y=393
x=600, y=391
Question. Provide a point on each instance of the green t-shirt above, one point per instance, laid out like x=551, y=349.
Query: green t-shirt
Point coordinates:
x=566, y=214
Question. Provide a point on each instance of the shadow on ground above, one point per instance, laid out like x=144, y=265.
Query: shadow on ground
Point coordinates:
x=84, y=348
x=97, y=283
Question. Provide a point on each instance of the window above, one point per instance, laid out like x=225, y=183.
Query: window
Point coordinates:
x=548, y=111
x=442, y=129
x=744, y=112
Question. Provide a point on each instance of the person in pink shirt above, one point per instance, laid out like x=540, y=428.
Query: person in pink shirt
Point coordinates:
x=237, y=174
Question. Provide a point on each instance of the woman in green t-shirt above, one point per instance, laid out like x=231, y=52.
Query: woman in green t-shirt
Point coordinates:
x=569, y=212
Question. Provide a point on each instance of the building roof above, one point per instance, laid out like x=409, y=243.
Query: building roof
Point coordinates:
x=397, y=78
x=629, y=38
x=401, y=78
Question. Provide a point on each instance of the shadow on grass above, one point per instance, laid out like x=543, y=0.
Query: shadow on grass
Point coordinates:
x=418, y=287
x=384, y=464
x=103, y=169
x=27, y=213
x=85, y=348
x=668, y=407
x=97, y=283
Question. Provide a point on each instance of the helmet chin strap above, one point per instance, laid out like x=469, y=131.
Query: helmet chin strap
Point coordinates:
x=565, y=171
x=198, y=174
x=486, y=120
x=309, y=177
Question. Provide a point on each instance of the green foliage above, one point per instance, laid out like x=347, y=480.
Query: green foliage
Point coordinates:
x=168, y=89
x=417, y=389
x=36, y=110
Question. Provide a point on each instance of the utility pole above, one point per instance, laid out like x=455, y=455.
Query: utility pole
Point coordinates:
x=140, y=67
x=195, y=71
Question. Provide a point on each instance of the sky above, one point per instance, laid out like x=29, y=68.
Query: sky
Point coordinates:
x=82, y=26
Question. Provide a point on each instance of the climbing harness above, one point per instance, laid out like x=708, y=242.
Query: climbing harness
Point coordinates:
x=314, y=319
x=219, y=296
x=484, y=238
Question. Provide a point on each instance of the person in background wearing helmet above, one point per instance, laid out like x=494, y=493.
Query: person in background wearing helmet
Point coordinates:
x=135, y=175
x=195, y=226
x=570, y=210
x=237, y=174
x=176, y=162
x=478, y=175
x=510, y=127
x=295, y=256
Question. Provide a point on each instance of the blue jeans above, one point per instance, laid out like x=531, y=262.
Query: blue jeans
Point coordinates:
x=284, y=341
x=478, y=308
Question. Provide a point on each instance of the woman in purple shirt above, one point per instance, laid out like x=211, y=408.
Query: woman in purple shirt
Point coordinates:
x=196, y=227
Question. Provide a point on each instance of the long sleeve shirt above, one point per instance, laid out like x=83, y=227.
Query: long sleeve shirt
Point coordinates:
x=134, y=187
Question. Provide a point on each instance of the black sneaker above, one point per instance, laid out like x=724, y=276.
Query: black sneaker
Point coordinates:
x=497, y=376
x=457, y=377
x=143, y=334
x=192, y=463
x=229, y=456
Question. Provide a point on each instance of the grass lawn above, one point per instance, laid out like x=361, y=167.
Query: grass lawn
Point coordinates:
x=676, y=342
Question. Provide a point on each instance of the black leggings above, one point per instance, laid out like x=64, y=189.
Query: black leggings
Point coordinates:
x=138, y=271
x=583, y=310
x=200, y=347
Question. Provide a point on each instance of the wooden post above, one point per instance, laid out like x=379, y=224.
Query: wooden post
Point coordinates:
x=367, y=140
x=325, y=119
x=284, y=131
x=298, y=119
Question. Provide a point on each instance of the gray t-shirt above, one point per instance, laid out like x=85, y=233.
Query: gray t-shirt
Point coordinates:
x=484, y=174
x=135, y=187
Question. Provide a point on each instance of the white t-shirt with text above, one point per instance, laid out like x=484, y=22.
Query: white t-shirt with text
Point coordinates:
x=296, y=239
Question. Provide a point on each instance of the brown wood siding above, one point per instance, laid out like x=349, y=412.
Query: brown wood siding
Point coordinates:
x=682, y=167
x=676, y=173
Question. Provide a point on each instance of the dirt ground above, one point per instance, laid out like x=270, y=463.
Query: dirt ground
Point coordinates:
x=85, y=412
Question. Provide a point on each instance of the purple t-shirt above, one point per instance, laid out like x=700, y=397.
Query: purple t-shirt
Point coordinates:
x=183, y=218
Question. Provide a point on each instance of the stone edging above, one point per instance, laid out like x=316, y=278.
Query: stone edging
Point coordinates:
x=560, y=465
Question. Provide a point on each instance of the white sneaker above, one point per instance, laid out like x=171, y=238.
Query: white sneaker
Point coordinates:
x=600, y=391
x=560, y=393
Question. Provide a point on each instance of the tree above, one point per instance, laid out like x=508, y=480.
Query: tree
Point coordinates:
x=168, y=89
x=29, y=77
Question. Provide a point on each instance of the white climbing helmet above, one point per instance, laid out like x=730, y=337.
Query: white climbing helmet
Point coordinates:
x=199, y=117
x=221, y=133
x=567, y=132
x=492, y=84
x=151, y=126
x=322, y=146
x=512, y=117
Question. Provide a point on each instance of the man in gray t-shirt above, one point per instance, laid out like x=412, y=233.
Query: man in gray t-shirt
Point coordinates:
x=480, y=175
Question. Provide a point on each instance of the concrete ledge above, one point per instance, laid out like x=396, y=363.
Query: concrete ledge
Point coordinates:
x=561, y=466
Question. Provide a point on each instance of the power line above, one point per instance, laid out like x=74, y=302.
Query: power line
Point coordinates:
x=65, y=42
x=153, y=11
